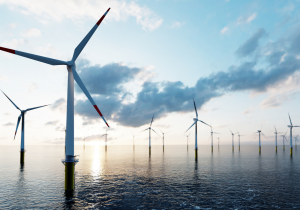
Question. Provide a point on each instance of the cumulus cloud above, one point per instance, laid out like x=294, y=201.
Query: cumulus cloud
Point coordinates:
x=251, y=44
x=161, y=98
x=224, y=30
x=59, y=104
x=58, y=10
x=106, y=80
x=246, y=19
x=31, y=33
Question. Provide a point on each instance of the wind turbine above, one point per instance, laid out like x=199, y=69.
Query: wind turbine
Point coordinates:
x=72, y=75
x=239, y=140
x=22, y=116
x=283, y=137
x=150, y=134
x=218, y=142
x=296, y=139
x=276, y=137
x=259, y=132
x=195, y=123
x=212, y=139
x=291, y=136
x=163, y=139
x=105, y=139
x=187, y=141
x=232, y=140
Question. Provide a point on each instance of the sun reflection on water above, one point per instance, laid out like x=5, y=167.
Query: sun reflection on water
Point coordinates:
x=96, y=167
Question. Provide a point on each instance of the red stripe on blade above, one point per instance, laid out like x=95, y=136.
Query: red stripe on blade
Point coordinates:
x=103, y=16
x=8, y=50
x=107, y=125
x=95, y=106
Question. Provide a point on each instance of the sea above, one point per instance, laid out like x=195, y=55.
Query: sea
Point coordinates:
x=127, y=177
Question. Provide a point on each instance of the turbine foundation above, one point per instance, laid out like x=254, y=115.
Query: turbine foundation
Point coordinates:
x=212, y=149
x=239, y=148
x=259, y=149
x=69, y=176
x=22, y=156
x=283, y=147
x=163, y=148
x=291, y=151
x=196, y=154
x=276, y=149
x=149, y=151
x=232, y=148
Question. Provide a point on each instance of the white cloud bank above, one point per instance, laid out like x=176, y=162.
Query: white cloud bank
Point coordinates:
x=69, y=9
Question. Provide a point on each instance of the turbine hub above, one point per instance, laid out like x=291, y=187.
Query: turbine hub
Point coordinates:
x=195, y=119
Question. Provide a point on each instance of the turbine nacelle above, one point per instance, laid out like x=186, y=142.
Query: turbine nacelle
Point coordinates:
x=195, y=119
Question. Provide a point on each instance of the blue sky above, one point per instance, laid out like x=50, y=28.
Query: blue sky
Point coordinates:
x=239, y=59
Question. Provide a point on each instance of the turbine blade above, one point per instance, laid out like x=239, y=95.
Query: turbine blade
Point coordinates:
x=290, y=119
x=161, y=131
x=18, y=122
x=263, y=135
x=275, y=129
x=204, y=123
x=86, y=92
x=155, y=132
x=195, y=108
x=86, y=39
x=11, y=101
x=151, y=121
x=231, y=131
x=39, y=58
x=191, y=126
x=296, y=126
x=144, y=130
x=36, y=107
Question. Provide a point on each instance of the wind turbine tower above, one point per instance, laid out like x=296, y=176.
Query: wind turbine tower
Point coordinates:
x=276, y=138
x=70, y=159
x=232, y=140
x=150, y=128
x=291, y=136
x=22, y=116
x=259, y=132
x=195, y=123
x=212, y=139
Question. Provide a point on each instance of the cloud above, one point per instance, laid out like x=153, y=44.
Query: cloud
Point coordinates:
x=106, y=80
x=246, y=19
x=59, y=104
x=162, y=98
x=251, y=44
x=57, y=10
x=250, y=110
x=14, y=43
x=33, y=32
x=176, y=24
x=52, y=123
x=224, y=30
x=8, y=124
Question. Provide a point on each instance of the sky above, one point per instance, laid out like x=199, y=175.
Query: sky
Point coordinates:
x=239, y=60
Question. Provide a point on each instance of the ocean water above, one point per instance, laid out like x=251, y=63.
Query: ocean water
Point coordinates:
x=123, y=178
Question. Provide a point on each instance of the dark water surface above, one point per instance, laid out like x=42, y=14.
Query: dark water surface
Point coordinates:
x=125, y=179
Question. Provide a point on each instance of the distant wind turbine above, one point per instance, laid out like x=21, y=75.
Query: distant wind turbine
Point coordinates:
x=239, y=140
x=259, y=132
x=212, y=138
x=195, y=123
x=276, y=138
x=296, y=140
x=150, y=134
x=105, y=139
x=291, y=136
x=133, y=142
x=22, y=116
x=232, y=139
x=187, y=141
x=283, y=137
x=218, y=142
x=163, y=139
